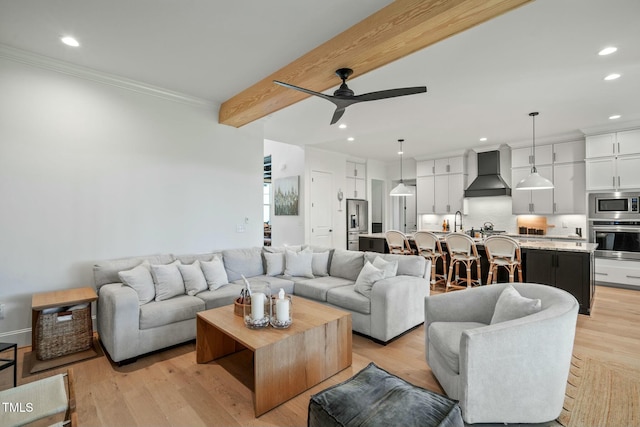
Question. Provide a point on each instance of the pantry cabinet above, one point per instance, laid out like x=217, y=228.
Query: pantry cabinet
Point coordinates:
x=356, y=181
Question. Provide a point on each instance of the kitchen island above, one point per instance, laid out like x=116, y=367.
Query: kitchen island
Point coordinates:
x=567, y=265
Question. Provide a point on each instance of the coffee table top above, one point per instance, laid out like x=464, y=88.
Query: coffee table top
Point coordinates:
x=305, y=314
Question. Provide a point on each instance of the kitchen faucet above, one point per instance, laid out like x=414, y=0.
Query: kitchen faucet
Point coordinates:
x=455, y=221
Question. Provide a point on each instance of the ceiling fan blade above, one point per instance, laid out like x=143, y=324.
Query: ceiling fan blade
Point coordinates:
x=337, y=115
x=391, y=93
x=301, y=89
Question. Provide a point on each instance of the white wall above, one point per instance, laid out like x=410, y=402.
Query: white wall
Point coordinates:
x=287, y=160
x=90, y=171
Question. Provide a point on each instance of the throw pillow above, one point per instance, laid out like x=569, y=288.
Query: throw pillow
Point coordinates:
x=511, y=305
x=193, y=277
x=390, y=268
x=168, y=280
x=275, y=263
x=298, y=263
x=214, y=273
x=320, y=264
x=139, y=278
x=367, y=277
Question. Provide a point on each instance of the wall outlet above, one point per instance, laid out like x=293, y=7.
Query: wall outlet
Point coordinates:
x=1, y=311
x=240, y=228
x=564, y=224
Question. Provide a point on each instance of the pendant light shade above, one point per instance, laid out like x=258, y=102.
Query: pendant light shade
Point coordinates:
x=402, y=190
x=534, y=181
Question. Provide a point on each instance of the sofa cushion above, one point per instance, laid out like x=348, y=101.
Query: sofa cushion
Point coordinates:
x=106, y=272
x=298, y=263
x=511, y=305
x=191, y=258
x=347, y=298
x=320, y=264
x=274, y=263
x=193, y=278
x=247, y=262
x=221, y=296
x=389, y=268
x=139, y=278
x=214, y=273
x=367, y=277
x=408, y=265
x=275, y=283
x=168, y=280
x=445, y=337
x=177, y=309
x=317, y=288
x=346, y=264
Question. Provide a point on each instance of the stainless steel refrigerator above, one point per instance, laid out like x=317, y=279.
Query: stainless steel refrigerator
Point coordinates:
x=357, y=222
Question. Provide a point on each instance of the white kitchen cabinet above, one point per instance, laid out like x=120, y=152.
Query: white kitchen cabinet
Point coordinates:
x=449, y=165
x=531, y=201
x=356, y=181
x=569, y=152
x=621, y=272
x=356, y=170
x=569, y=195
x=448, y=193
x=425, y=201
x=628, y=142
x=628, y=172
x=521, y=157
x=425, y=168
x=600, y=145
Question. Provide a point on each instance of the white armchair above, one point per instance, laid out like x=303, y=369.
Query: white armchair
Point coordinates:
x=509, y=372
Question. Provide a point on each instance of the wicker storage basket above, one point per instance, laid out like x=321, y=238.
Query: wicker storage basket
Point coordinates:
x=57, y=337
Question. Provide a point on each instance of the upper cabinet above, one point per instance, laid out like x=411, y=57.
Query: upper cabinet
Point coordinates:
x=562, y=164
x=356, y=180
x=440, y=185
x=613, y=161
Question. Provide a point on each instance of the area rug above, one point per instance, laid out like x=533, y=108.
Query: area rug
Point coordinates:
x=601, y=394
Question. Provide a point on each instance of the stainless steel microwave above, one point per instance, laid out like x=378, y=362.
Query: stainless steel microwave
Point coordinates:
x=614, y=206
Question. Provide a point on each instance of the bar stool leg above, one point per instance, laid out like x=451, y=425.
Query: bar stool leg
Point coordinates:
x=479, y=272
x=468, y=263
x=490, y=273
x=450, y=274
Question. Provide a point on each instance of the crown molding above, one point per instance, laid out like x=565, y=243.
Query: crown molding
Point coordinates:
x=615, y=126
x=47, y=63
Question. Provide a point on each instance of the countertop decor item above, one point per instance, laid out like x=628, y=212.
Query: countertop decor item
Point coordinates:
x=257, y=309
x=534, y=181
x=281, y=310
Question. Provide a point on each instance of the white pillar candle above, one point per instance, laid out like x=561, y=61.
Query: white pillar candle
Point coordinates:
x=282, y=310
x=257, y=305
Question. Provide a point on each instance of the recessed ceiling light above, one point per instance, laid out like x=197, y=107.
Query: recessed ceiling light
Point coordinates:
x=483, y=139
x=70, y=41
x=612, y=76
x=607, y=51
x=351, y=139
x=342, y=126
x=400, y=152
x=615, y=116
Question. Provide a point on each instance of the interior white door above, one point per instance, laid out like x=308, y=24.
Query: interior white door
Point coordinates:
x=321, y=209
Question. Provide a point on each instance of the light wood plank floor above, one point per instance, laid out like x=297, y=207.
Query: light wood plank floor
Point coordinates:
x=169, y=388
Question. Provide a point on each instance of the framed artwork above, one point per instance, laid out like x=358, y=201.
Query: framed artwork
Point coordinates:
x=286, y=195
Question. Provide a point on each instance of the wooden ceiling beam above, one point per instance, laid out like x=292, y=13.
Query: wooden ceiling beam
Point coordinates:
x=397, y=30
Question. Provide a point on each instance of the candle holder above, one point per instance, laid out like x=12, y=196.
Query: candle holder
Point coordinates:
x=257, y=310
x=281, y=311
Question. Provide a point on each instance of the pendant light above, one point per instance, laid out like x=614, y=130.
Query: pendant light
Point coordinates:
x=534, y=181
x=401, y=190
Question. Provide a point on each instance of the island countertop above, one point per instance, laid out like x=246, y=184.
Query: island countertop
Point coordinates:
x=525, y=243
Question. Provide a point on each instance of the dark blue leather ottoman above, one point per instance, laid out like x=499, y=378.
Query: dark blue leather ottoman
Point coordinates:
x=374, y=397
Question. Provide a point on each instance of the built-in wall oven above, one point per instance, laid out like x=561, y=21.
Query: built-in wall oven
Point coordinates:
x=614, y=224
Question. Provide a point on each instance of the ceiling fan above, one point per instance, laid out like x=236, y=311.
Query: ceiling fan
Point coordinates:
x=343, y=96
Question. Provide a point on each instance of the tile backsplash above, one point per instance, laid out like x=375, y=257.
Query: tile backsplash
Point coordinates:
x=497, y=210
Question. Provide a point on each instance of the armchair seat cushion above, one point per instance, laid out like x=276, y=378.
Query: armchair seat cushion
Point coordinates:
x=445, y=337
x=177, y=309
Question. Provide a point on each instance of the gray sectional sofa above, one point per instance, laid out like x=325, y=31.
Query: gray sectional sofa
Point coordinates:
x=132, y=323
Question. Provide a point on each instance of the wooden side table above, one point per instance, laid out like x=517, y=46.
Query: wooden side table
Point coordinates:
x=62, y=298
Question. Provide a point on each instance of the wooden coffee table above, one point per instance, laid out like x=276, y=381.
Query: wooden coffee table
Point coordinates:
x=286, y=362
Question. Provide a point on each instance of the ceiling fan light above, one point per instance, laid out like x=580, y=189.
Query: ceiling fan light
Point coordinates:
x=534, y=181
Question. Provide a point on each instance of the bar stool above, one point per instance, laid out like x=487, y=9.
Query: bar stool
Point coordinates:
x=462, y=250
x=503, y=251
x=398, y=243
x=429, y=246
